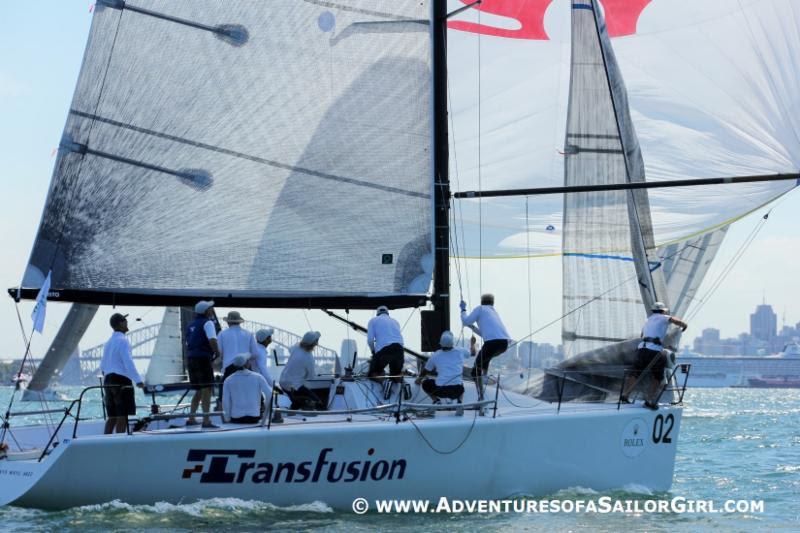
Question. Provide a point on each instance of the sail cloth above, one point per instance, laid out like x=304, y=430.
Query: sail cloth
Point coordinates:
x=65, y=343
x=714, y=91
x=240, y=148
x=166, y=361
x=619, y=280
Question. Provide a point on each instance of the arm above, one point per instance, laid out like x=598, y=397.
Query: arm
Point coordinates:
x=226, y=402
x=211, y=334
x=371, y=336
x=261, y=366
x=468, y=319
x=678, y=322
x=430, y=366
x=473, y=346
x=130, y=368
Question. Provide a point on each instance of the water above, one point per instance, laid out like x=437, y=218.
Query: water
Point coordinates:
x=734, y=444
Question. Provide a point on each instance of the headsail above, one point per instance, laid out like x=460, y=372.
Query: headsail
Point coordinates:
x=610, y=267
x=166, y=361
x=282, y=151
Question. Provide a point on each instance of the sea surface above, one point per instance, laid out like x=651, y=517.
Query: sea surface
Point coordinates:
x=734, y=444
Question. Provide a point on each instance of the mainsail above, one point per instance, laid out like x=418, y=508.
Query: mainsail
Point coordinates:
x=264, y=152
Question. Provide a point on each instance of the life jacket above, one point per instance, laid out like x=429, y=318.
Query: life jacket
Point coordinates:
x=197, y=344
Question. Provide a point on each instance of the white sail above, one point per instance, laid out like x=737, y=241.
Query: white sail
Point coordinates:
x=714, y=91
x=166, y=362
x=296, y=161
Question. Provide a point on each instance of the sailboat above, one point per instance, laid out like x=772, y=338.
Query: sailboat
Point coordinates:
x=306, y=129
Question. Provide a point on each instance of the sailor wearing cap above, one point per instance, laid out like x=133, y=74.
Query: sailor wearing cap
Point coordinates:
x=201, y=349
x=119, y=375
x=259, y=364
x=243, y=392
x=299, y=371
x=448, y=364
x=235, y=340
x=650, y=354
x=385, y=341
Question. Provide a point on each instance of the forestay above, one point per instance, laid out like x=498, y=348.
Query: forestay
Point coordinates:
x=245, y=149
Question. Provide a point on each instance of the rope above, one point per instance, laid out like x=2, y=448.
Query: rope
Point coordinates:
x=458, y=446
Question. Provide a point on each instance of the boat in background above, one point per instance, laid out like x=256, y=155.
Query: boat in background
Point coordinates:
x=713, y=371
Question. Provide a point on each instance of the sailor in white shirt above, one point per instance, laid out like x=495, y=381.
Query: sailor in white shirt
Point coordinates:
x=491, y=329
x=119, y=375
x=299, y=371
x=650, y=354
x=259, y=363
x=448, y=364
x=243, y=393
x=385, y=341
x=235, y=340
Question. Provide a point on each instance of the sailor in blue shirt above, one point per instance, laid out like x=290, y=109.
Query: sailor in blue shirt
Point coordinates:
x=491, y=329
x=201, y=349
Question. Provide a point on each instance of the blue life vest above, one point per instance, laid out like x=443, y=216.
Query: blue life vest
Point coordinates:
x=197, y=344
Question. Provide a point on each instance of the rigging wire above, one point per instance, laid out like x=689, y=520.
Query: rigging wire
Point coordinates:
x=530, y=288
x=480, y=171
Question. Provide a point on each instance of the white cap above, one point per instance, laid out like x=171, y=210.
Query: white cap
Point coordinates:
x=240, y=359
x=311, y=337
x=446, y=340
x=382, y=309
x=262, y=334
x=202, y=306
x=660, y=306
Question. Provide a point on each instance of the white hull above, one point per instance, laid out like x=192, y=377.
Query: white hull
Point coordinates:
x=533, y=452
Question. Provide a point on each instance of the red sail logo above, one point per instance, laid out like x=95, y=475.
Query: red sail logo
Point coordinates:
x=621, y=18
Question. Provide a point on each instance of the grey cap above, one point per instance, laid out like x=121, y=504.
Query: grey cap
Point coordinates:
x=240, y=359
x=446, y=340
x=202, y=306
x=311, y=337
x=382, y=310
x=234, y=317
x=263, y=334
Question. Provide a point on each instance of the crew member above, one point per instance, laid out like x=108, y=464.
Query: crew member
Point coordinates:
x=259, y=363
x=650, y=354
x=201, y=349
x=232, y=341
x=491, y=329
x=119, y=376
x=385, y=341
x=243, y=392
x=448, y=364
x=299, y=371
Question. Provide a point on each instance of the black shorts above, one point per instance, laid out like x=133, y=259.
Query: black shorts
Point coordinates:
x=119, y=399
x=453, y=392
x=643, y=358
x=489, y=350
x=201, y=375
x=391, y=355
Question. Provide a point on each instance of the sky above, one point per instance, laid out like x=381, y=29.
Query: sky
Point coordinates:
x=41, y=48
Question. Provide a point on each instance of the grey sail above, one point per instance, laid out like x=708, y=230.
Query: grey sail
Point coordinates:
x=611, y=271
x=686, y=264
x=65, y=343
x=282, y=150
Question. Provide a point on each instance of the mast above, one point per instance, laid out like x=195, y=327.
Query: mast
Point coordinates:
x=441, y=275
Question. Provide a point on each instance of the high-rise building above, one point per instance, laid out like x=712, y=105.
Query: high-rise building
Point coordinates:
x=764, y=323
